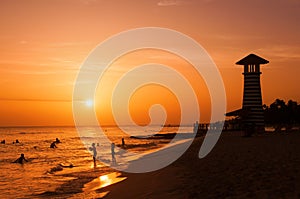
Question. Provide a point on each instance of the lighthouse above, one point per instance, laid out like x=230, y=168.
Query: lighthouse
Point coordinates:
x=252, y=99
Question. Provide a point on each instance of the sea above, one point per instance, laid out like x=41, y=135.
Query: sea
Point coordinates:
x=43, y=173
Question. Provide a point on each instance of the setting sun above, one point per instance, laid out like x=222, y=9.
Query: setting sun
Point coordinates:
x=89, y=103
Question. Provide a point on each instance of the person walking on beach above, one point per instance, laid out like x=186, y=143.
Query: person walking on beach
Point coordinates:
x=20, y=159
x=113, y=158
x=93, y=148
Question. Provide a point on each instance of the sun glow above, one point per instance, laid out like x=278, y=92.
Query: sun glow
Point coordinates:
x=89, y=103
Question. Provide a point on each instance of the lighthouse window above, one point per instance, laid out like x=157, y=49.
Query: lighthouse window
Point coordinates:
x=252, y=68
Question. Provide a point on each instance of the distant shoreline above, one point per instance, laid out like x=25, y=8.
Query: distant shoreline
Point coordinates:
x=105, y=126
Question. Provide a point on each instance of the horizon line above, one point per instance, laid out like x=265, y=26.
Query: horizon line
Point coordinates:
x=106, y=125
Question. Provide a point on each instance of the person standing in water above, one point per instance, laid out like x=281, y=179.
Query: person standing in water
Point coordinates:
x=196, y=127
x=21, y=159
x=113, y=158
x=93, y=148
x=123, y=142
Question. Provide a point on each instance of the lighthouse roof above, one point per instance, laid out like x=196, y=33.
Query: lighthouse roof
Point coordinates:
x=252, y=59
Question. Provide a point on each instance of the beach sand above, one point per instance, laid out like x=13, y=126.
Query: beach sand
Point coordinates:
x=263, y=166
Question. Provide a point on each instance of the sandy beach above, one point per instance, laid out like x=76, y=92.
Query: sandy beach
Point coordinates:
x=263, y=166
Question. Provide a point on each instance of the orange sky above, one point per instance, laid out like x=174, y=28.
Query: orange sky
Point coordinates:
x=43, y=44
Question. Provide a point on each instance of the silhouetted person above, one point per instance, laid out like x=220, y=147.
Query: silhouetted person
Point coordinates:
x=123, y=142
x=53, y=145
x=196, y=127
x=55, y=169
x=21, y=159
x=17, y=141
x=113, y=158
x=3, y=142
x=60, y=167
x=57, y=141
x=67, y=166
x=93, y=148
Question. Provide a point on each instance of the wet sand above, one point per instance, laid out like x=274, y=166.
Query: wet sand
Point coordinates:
x=263, y=166
x=81, y=184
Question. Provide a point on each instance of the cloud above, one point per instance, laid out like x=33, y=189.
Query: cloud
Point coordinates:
x=172, y=2
x=50, y=66
x=232, y=37
x=283, y=52
x=34, y=100
x=67, y=44
x=180, y=2
x=23, y=42
x=291, y=1
x=88, y=2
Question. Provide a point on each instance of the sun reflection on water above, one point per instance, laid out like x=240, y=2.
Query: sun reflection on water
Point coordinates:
x=103, y=181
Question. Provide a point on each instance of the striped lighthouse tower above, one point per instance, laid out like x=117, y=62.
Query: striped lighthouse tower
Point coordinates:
x=252, y=100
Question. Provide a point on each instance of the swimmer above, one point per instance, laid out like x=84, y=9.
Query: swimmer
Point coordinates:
x=59, y=167
x=20, y=159
x=57, y=141
x=66, y=166
x=53, y=145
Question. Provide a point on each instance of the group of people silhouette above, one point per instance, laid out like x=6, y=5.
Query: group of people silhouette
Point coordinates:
x=22, y=158
x=3, y=141
x=94, y=150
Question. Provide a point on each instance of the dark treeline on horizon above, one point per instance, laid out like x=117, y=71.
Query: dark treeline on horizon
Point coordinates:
x=281, y=114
